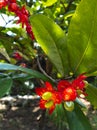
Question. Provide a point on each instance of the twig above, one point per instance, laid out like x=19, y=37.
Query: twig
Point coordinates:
x=68, y=7
x=41, y=69
x=63, y=5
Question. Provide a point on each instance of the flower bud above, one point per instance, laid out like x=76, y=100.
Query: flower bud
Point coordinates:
x=69, y=106
x=86, y=83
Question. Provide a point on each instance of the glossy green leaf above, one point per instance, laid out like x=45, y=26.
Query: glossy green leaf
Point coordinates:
x=82, y=37
x=48, y=2
x=77, y=120
x=52, y=40
x=35, y=74
x=92, y=94
x=5, y=85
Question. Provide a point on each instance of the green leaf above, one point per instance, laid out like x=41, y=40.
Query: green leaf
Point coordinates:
x=92, y=94
x=77, y=120
x=5, y=85
x=22, y=76
x=33, y=73
x=6, y=41
x=59, y=117
x=48, y=2
x=82, y=38
x=4, y=52
x=52, y=40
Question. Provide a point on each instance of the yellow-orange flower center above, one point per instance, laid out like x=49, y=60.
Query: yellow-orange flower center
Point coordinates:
x=47, y=96
x=49, y=104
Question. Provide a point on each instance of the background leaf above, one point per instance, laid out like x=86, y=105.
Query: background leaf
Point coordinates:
x=48, y=2
x=33, y=73
x=92, y=94
x=82, y=38
x=77, y=120
x=52, y=40
x=5, y=85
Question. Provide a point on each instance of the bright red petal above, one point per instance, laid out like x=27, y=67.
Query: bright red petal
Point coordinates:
x=79, y=83
x=51, y=109
x=48, y=86
x=63, y=84
x=57, y=97
x=13, y=7
x=3, y=3
x=42, y=103
x=40, y=91
x=82, y=77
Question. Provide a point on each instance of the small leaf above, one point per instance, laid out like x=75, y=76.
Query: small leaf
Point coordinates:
x=4, y=53
x=33, y=73
x=5, y=85
x=77, y=120
x=92, y=94
x=52, y=39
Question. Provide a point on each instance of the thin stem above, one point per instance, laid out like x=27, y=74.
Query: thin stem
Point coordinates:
x=63, y=5
x=41, y=69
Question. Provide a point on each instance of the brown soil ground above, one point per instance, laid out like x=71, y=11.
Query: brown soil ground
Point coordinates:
x=23, y=113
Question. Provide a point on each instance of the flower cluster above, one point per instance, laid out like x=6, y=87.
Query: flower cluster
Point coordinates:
x=20, y=12
x=66, y=91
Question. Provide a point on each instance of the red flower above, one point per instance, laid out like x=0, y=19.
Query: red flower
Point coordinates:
x=12, y=1
x=67, y=91
x=29, y=31
x=70, y=90
x=13, y=7
x=17, y=56
x=23, y=16
x=49, y=97
x=63, y=84
x=79, y=83
x=3, y=3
